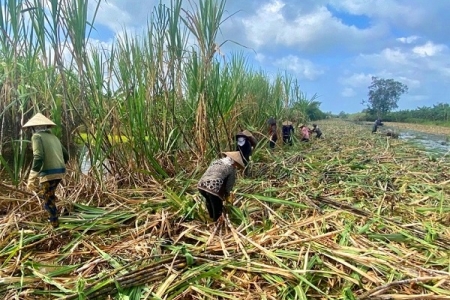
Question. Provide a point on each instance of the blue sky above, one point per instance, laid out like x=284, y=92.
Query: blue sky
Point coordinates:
x=333, y=47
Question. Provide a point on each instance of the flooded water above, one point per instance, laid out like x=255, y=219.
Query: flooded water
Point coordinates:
x=434, y=143
x=431, y=142
x=86, y=163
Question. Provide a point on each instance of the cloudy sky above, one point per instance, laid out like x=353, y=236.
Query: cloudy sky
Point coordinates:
x=333, y=47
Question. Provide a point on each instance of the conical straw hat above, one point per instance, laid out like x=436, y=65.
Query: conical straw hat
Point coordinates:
x=287, y=123
x=236, y=156
x=39, y=120
x=247, y=133
x=244, y=133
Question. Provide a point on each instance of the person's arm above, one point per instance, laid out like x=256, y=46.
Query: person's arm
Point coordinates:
x=274, y=131
x=65, y=154
x=253, y=141
x=38, y=153
x=38, y=161
x=230, y=180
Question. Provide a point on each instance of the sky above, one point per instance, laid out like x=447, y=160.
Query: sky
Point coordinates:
x=332, y=47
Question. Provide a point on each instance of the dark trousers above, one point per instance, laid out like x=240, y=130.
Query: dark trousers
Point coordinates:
x=287, y=139
x=213, y=204
x=47, y=194
x=245, y=151
x=273, y=142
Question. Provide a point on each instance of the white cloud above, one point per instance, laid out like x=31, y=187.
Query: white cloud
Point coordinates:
x=362, y=80
x=259, y=57
x=428, y=49
x=412, y=83
x=413, y=64
x=311, y=30
x=98, y=44
x=113, y=16
x=393, y=12
x=395, y=56
x=356, y=80
x=408, y=40
x=303, y=68
x=348, y=92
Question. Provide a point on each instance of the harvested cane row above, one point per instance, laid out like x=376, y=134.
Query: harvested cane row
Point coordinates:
x=351, y=216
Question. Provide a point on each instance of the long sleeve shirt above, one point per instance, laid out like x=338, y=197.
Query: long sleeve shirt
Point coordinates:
x=317, y=130
x=49, y=156
x=273, y=132
x=305, y=133
x=219, y=178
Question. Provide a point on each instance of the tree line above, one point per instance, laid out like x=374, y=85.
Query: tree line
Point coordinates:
x=438, y=113
x=383, y=97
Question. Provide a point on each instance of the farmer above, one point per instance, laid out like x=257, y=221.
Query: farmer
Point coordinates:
x=245, y=142
x=273, y=136
x=304, y=133
x=376, y=124
x=217, y=182
x=317, y=130
x=49, y=159
x=288, y=132
x=392, y=134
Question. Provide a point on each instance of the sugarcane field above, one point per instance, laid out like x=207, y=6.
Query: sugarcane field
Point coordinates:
x=163, y=165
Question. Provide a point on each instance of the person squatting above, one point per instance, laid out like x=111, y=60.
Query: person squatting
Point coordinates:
x=218, y=180
x=288, y=132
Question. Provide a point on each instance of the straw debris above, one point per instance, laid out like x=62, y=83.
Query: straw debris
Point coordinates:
x=351, y=216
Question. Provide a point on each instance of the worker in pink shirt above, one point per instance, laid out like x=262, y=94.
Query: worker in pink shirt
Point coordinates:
x=304, y=132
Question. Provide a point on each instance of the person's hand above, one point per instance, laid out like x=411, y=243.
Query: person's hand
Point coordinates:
x=230, y=198
x=31, y=184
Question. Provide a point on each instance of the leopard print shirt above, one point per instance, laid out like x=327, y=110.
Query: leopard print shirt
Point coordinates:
x=219, y=178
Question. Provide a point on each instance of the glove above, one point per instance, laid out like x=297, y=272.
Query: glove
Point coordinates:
x=31, y=184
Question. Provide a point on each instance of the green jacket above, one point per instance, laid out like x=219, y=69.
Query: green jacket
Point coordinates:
x=49, y=156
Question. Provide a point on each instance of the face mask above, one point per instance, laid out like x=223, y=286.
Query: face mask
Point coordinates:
x=241, y=141
x=40, y=128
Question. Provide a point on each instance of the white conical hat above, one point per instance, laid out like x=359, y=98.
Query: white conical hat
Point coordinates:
x=236, y=156
x=39, y=120
x=287, y=123
x=247, y=133
x=244, y=133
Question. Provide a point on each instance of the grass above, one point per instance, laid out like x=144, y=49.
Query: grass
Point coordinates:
x=352, y=216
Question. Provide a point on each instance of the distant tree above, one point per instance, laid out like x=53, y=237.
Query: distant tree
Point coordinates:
x=384, y=95
x=329, y=115
x=343, y=115
x=305, y=109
